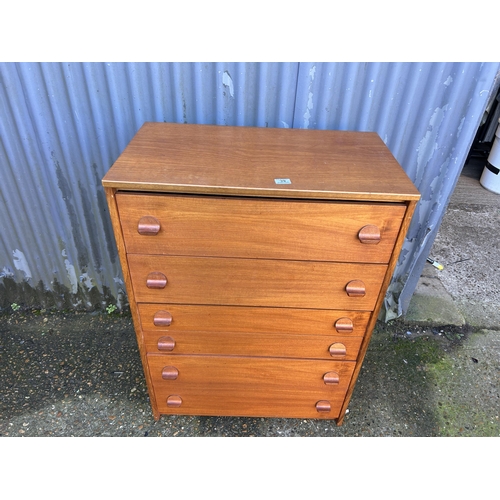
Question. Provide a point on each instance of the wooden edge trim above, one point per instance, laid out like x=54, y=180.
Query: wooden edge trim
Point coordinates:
x=117, y=229
x=373, y=318
x=259, y=192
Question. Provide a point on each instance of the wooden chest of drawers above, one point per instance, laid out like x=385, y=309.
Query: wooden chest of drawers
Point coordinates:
x=256, y=262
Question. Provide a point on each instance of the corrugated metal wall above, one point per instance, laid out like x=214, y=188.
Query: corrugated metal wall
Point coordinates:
x=62, y=125
x=426, y=113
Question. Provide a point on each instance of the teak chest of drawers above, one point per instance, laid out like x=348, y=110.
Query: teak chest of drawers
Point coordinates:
x=256, y=261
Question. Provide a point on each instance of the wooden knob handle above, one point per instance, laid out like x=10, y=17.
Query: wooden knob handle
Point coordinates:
x=174, y=401
x=369, y=234
x=331, y=378
x=323, y=406
x=162, y=318
x=148, y=226
x=169, y=373
x=337, y=350
x=166, y=344
x=156, y=280
x=355, y=288
x=344, y=325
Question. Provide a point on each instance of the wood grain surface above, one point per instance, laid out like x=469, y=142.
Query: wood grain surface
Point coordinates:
x=307, y=346
x=324, y=164
x=259, y=228
x=268, y=283
x=245, y=386
x=213, y=319
x=251, y=237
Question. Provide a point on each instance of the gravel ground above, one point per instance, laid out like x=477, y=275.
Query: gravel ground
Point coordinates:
x=79, y=374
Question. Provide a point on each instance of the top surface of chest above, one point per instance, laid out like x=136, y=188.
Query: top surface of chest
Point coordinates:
x=264, y=162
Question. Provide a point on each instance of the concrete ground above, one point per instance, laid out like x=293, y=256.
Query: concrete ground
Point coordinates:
x=435, y=372
x=465, y=295
x=467, y=290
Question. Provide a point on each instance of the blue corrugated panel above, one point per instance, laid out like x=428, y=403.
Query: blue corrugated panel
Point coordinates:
x=62, y=125
x=426, y=113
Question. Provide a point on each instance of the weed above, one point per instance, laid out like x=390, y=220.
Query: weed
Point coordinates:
x=111, y=309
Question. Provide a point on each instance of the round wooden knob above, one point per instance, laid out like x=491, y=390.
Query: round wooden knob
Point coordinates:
x=337, y=350
x=331, y=378
x=162, y=318
x=323, y=406
x=369, y=234
x=166, y=344
x=156, y=280
x=169, y=373
x=355, y=288
x=344, y=325
x=148, y=226
x=174, y=401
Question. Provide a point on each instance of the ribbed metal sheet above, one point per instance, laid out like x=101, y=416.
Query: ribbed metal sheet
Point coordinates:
x=426, y=113
x=62, y=125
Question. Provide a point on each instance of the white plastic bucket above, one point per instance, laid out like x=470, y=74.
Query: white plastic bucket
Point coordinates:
x=490, y=178
x=494, y=156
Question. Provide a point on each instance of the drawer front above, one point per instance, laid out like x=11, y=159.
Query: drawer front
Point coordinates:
x=239, y=386
x=251, y=228
x=340, y=347
x=169, y=317
x=221, y=281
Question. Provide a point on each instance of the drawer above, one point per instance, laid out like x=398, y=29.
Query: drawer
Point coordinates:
x=241, y=386
x=169, y=317
x=340, y=347
x=222, y=281
x=259, y=228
